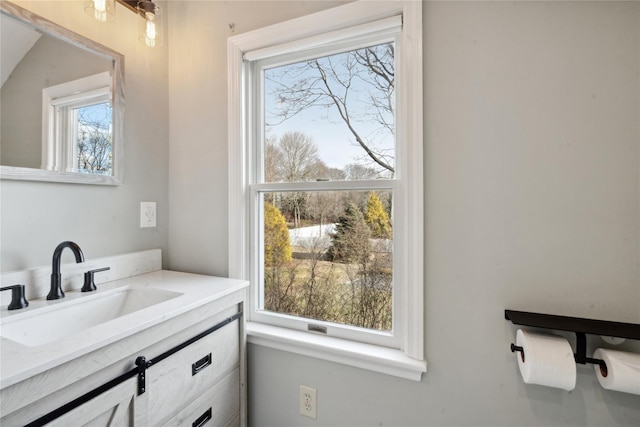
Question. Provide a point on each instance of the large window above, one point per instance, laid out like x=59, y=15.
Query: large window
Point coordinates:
x=326, y=183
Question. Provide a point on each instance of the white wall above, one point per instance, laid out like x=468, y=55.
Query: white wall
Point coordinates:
x=532, y=202
x=104, y=221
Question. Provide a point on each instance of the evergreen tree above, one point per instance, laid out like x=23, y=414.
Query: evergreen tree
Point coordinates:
x=277, y=249
x=350, y=243
x=377, y=218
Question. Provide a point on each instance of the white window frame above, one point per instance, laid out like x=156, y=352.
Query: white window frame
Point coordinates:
x=406, y=358
x=59, y=150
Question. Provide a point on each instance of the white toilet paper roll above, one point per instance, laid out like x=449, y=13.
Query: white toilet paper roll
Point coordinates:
x=623, y=370
x=548, y=360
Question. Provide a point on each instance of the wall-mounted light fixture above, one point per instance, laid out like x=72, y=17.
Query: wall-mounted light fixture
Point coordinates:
x=101, y=10
x=151, y=27
x=150, y=33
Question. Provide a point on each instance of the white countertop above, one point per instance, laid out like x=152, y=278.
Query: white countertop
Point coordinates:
x=19, y=362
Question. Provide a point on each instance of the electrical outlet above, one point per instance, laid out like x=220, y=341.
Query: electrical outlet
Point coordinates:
x=147, y=214
x=308, y=402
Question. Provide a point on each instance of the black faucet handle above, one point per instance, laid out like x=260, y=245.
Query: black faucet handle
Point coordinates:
x=18, y=300
x=89, y=284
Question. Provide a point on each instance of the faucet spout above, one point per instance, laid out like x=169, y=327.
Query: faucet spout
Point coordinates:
x=56, y=277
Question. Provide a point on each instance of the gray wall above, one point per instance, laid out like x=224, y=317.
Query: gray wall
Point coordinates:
x=36, y=216
x=48, y=63
x=532, y=198
x=532, y=202
x=198, y=110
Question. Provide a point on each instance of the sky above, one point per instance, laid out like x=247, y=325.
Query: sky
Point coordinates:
x=336, y=144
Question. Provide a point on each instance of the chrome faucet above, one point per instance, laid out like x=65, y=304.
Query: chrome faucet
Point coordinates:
x=56, y=278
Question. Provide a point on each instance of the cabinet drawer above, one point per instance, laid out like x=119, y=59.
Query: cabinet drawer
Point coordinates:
x=182, y=378
x=217, y=407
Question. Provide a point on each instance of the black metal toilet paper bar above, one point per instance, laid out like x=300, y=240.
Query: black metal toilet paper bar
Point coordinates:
x=579, y=326
x=579, y=356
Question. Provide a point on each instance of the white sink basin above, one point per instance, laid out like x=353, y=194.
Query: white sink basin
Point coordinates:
x=60, y=320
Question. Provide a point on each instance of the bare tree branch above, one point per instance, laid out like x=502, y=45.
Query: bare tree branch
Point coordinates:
x=329, y=82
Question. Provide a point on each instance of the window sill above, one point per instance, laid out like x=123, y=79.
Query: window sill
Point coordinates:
x=366, y=356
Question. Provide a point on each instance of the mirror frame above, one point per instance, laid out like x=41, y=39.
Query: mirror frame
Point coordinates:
x=117, y=102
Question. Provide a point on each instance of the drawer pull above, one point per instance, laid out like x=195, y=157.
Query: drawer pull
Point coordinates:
x=202, y=419
x=200, y=364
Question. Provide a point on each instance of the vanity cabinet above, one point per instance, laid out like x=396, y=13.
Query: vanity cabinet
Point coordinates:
x=194, y=375
x=203, y=379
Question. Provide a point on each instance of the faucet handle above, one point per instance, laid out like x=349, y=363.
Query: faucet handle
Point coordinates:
x=89, y=284
x=17, y=297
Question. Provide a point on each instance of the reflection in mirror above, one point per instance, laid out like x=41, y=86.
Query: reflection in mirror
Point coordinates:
x=61, y=103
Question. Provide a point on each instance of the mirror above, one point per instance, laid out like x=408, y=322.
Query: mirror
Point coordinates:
x=62, y=103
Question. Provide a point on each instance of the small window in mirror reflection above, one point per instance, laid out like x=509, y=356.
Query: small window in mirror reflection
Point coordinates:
x=92, y=137
x=78, y=121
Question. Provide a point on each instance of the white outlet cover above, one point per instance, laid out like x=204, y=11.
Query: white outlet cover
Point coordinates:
x=147, y=214
x=308, y=402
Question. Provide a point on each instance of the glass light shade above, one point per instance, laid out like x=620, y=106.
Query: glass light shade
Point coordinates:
x=150, y=24
x=101, y=10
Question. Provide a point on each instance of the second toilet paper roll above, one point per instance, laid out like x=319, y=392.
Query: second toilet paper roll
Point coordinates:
x=548, y=360
x=623, y=370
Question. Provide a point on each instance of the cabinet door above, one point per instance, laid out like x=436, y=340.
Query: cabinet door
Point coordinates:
x=116, y=407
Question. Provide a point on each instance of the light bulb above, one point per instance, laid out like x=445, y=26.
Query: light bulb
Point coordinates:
x=150, y=33
x=101, y=10
x=150, y=30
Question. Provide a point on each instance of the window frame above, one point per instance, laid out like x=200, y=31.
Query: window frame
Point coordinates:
x=258, y=185
x=343, y=331
x=59, y=119
x=406, y=358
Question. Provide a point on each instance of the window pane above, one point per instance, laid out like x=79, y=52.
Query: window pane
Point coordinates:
x=93, y=139
x=327, y=255
x=331, y=117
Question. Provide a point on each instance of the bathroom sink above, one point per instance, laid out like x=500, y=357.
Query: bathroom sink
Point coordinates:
x=47, y=324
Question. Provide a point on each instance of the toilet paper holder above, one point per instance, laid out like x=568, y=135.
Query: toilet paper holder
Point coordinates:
x=580, y=326
x=580, y=356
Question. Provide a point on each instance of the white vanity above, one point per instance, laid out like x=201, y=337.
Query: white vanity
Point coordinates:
x=168, y=350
